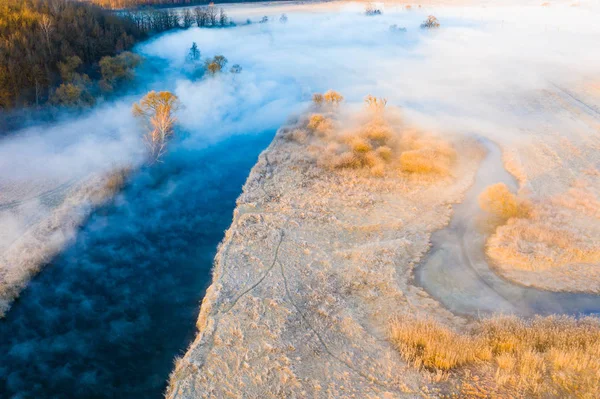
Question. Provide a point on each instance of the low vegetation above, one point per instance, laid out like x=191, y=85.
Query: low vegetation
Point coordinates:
x=371, y=10
x=502, y=204
x=215, y=65
x=535, y=238
x=375, y=144
x=397, y=29
x=543, y=242
x=430, y=23
x=539, y=358
x=116, y=180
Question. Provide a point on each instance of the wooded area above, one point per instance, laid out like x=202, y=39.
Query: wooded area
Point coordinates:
x=66, y=52
x=121, y=4
x=46, y=43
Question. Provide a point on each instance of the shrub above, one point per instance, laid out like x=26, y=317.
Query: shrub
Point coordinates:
x=216, y=64
x=333, y=97
x=425, y=161
x=317, y=98
x=115, y=180
x=384, y=153
x=319, y=124
x=371, y=10
x=376, y=104
x=430, y=23
x=397, y=29
x=360, y=145
x=500, y=202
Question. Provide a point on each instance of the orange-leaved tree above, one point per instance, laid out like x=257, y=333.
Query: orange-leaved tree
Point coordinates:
x=157, y=110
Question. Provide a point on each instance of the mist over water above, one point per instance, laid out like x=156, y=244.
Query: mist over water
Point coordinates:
x=107, y=316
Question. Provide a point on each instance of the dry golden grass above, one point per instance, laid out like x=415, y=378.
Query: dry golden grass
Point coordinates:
x=541, y=237
x=115, y=180
x=581, y=199
x=555, y=356
x=539, y=244
x=501, y=203
x=375, y=144
x=319, y=124
x=426, y=154
x=424, y=161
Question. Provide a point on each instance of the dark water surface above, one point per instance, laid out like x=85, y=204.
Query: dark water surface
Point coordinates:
x=106, y=318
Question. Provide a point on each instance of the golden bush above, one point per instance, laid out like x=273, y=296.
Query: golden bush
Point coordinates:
x=333, y=97
x=498, y=200
x=425, y=161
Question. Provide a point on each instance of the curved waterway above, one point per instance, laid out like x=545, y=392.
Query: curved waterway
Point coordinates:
x=106, y=318
x=456, y=271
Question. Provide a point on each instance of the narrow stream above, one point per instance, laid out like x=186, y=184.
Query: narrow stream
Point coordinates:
x=456, y=271
x=107, y=317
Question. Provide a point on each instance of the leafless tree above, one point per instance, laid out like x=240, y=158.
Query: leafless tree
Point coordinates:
x=212, y=15
x=188, y=19
x=430, y=23
x=157, y=110
x=47, y=27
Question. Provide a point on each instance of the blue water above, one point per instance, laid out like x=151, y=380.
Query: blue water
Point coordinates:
x=106, y=318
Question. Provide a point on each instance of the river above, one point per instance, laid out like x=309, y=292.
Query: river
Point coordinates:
x=106, y=318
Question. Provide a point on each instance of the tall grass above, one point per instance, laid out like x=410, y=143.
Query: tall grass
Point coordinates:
x=545, y=357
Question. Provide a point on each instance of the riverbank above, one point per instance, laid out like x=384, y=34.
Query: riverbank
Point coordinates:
x=40, y=220
x=314, y=264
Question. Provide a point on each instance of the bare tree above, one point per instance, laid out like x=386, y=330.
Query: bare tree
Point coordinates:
x=430, y=23
x=47, y=27
x=201, y=16
x=371, y=10
x=212, y=15
x=216, y=65
x=156, y=109
x=333, y=97
x=222, y=17
x=188, y=19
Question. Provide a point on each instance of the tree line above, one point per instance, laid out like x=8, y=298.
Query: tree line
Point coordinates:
x=52, y=49
x=65, y=52
x=156, y=21
x=127, y=4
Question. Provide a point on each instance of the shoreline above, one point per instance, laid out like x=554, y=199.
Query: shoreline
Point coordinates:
x=311, y=268
x=28, y=254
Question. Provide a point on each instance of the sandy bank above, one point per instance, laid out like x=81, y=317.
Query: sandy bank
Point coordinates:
x=314, y=264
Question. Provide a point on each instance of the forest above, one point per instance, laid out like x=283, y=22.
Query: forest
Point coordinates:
x=48, y=43
x=65, y=52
